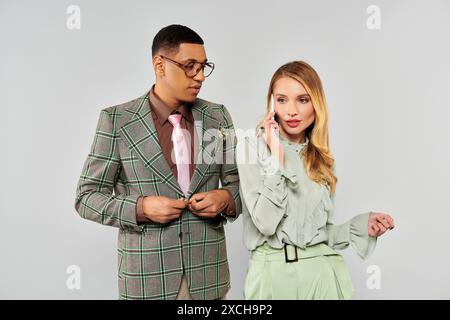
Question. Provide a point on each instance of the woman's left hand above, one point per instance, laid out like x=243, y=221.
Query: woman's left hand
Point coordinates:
x=379, y=223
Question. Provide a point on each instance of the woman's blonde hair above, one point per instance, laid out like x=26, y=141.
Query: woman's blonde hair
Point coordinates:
x=318, y=160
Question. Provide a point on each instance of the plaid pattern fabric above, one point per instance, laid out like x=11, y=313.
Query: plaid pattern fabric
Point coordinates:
x=126, y=161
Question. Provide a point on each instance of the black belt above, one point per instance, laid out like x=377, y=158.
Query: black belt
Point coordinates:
x=286, y=254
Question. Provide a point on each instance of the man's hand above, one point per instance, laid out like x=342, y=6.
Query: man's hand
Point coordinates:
x=209, y=204
x=379, y=223
x=163, y=209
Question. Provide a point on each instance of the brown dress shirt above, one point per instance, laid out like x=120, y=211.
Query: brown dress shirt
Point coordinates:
x=160, y=114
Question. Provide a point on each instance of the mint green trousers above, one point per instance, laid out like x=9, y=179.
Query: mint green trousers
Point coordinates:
x=319, y=273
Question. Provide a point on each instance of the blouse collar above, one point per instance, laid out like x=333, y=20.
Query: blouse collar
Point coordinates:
x=287, y=143
x=297, y=146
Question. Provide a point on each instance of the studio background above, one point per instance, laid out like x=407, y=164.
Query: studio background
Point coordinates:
x=387, y=95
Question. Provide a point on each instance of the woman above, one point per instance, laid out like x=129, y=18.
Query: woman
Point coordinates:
x=287, y=185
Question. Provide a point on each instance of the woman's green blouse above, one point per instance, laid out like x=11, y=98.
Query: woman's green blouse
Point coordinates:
x=283, y=205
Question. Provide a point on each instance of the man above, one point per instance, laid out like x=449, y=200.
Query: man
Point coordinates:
x=163, y=155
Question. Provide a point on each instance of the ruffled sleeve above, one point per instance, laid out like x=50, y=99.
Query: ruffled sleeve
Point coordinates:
x=263, y=187
x=354, y=232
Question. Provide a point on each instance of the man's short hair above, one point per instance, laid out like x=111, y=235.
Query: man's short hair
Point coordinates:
x=169, y=38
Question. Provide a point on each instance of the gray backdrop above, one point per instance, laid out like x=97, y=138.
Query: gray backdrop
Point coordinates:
x=387, y=93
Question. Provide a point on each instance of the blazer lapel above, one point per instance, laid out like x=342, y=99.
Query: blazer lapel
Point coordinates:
x=207, y=129
x=140, y=134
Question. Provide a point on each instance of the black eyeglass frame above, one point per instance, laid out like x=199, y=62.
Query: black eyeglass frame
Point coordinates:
x=186, y=69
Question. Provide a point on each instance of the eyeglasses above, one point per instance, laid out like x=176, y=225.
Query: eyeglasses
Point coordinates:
x=192, y=68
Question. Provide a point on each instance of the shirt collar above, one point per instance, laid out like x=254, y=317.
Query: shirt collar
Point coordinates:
x=162, y=111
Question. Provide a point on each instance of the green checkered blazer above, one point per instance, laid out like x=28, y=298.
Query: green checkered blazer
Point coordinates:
x=126, y=161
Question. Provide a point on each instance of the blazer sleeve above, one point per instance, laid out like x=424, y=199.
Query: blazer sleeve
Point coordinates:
x=94, y=194
x=229, y=175
x=263, y=187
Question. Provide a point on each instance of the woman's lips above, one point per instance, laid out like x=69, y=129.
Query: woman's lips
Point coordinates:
x=293, y=123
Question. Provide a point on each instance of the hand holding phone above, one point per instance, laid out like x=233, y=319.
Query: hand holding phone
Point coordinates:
x=271, y=134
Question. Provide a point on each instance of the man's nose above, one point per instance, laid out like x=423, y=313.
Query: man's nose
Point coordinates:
x=200, y=76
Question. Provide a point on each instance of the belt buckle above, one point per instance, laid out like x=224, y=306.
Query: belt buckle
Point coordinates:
x=286, y=254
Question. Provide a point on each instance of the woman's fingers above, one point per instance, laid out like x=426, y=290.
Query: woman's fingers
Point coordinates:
x=270, y=115
x=381, y=227
x=268, y=118
x=382, y=219
x=380, y=223
x=269, y=126
x=386, y=220
x=375, y=228
x=391, y=222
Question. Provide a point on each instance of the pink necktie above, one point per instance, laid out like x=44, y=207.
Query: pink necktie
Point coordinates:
x=182, y=155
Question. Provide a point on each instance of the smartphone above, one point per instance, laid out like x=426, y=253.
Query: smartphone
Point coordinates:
x=272, y=106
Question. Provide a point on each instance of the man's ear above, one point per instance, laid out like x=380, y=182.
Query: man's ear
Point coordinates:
x=158, y=65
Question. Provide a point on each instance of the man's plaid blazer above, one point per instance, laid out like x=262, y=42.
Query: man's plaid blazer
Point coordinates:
x=126, y=158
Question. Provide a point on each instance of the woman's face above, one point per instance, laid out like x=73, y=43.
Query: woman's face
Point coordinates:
x=293, y=108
